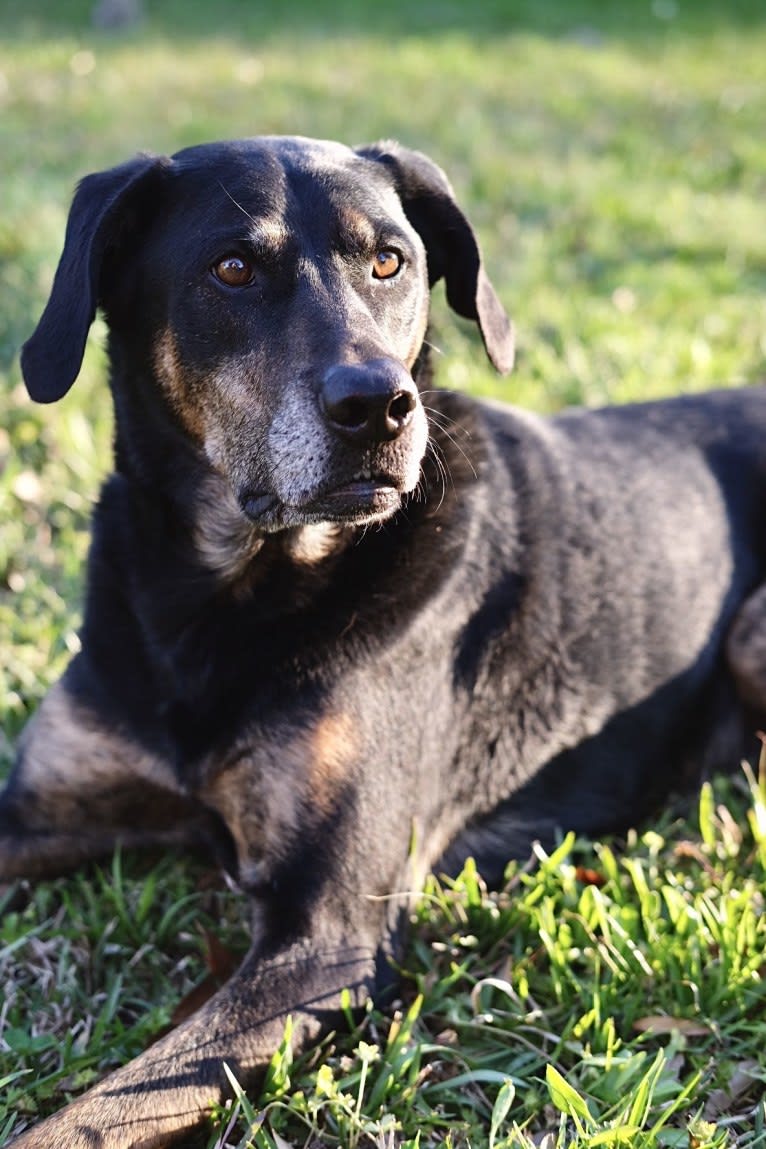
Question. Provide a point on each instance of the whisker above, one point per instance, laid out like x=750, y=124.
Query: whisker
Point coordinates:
x=443, y=419
x=442, y=471
x=446, y=420
x=244, y=211
x=452, y=440
x=444, y=423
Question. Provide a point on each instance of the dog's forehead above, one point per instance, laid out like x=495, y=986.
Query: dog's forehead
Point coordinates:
x=272, y=175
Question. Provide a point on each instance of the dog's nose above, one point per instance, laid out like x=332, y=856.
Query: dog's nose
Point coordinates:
x=368, y=402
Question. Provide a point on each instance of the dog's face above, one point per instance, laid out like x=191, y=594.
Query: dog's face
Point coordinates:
x=272, y=295
x=291, y=303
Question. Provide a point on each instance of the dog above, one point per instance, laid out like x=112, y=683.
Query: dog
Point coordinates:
x=341, y=627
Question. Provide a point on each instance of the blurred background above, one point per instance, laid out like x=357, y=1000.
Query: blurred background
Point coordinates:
x=612, y=156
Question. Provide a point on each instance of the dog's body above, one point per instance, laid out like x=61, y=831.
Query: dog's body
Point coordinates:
x=342, y=633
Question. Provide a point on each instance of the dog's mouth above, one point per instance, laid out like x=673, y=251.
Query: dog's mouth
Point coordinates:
x=354, y=503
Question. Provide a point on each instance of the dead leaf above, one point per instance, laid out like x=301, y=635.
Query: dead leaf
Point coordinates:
x=220, y=961
x=660, y=1024
x=447, y=1037
x=723, y=1100
x=221, y=964
x=589, y=877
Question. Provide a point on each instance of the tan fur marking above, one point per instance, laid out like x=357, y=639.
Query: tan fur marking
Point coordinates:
x=356, y=226
x=272, y=233
x=333, y=747
x=170, y=373
x=315, y=542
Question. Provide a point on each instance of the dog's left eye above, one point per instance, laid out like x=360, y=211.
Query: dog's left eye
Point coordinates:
x=233, y=271
x=386, y=264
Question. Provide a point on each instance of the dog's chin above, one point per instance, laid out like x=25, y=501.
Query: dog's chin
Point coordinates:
x=357, y=503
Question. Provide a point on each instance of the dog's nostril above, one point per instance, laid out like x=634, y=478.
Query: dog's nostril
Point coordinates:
x=401, y=407
x=350, y=413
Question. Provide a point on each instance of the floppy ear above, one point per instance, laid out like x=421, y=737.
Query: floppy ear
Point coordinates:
x=52, y=357
x=451, y=246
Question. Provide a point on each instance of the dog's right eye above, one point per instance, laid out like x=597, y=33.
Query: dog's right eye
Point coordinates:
x=233, y=271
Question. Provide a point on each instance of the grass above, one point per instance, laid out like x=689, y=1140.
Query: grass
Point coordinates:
x=613, y=158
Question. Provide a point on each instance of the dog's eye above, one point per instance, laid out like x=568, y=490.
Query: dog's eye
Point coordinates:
x=386, y=264
x=233, y=271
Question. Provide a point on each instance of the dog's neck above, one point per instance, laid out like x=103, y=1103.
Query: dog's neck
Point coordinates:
x=195, y=569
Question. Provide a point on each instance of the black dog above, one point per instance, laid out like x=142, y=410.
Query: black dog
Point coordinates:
x=341, y=627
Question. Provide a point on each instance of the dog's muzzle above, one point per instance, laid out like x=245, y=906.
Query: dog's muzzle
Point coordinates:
x=375, y=435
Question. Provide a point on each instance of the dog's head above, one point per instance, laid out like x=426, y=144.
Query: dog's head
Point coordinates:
x=269, y=297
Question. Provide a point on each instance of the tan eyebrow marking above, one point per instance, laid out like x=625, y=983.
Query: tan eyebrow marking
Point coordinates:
x=269, y=233
x=356, y=227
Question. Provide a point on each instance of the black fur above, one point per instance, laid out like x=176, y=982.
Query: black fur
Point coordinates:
x=339, y=626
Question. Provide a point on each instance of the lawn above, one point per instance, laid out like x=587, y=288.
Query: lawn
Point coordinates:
x=613, y=159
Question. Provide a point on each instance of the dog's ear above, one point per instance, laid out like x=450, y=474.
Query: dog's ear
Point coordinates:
x=51, y=358
x=451, y=246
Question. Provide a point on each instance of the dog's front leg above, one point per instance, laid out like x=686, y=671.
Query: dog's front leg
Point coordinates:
x=169, y=1089
x=81, y=786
